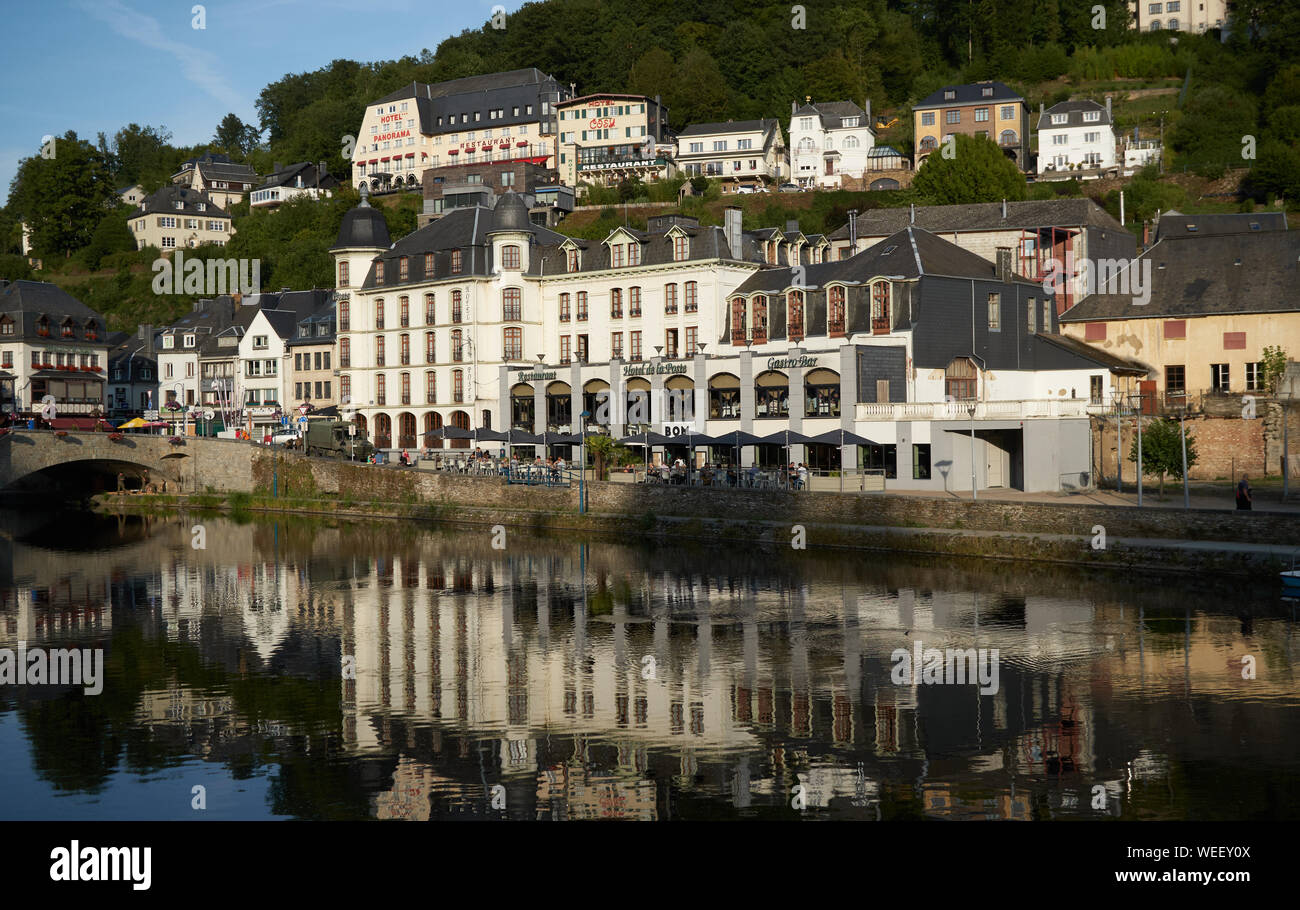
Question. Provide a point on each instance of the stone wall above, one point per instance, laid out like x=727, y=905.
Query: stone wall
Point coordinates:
x=222, y=464
x=647, y=503
x=1225, y=446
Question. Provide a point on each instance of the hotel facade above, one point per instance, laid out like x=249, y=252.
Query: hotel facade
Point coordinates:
x=607, y=138
x=498, y=117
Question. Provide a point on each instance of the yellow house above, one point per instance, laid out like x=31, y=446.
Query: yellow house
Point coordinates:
x=986, y=110
x=1198, y=311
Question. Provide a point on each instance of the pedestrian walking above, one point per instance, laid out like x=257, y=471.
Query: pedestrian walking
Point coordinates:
x=121, y=482
x=1243, y=493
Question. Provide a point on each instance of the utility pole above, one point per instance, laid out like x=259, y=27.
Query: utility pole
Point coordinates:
x=973, y=495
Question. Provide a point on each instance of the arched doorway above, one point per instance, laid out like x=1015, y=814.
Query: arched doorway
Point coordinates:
x=724, y=396
x=595, y=401
x=679, y=403
x=821, y=393
x=460, y=419
x=522, y=407
x=559, y=407
x=406, y=430
x=432, y=421
x=638, y=405
x=771, y=395
x=383, y=431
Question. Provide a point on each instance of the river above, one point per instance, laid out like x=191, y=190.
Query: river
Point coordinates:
x=257, y=669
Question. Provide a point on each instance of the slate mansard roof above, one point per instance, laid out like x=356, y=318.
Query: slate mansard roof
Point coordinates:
x=163, y=202
x=833, y=113
x=475, y=93
x=1173, y=224
x=731, y=126
x=971, y=93
x=1074, y=111
x=26, y=302
x=1208, y=276
x=984, y=216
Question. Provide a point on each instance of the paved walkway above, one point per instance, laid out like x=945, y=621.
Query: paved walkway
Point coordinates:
x=1266, y=500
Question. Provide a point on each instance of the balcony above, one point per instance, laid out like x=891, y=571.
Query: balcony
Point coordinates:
x=984, y=410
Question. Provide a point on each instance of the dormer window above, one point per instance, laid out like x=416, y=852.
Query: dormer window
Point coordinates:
x=987, y=91
x=189, y=341
x=178, y=205
x=634, y=254
x=681, y=248
x=68, y=329
x=510, y=257
x=169, y=342
x=201, y=206
x=1058, y=119
x=379, y=272
x=1091, y=116
x=402, y=269
x=455, y=262
x=850, y=122
x=616, y=255
x=949, y=94
x=573, y=260
x=92, y=331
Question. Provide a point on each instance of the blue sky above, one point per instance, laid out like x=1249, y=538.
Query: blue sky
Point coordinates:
x=97, y=65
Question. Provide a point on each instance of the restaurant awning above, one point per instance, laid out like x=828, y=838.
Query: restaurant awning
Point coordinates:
x=67, y=375
x=843, y=437
x=787, y=438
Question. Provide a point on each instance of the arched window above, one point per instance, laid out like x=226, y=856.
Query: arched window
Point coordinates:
x=724, y=396
x=794, y=316
x=880, y=316
x=379, y=313
x=511, y=305
x=738, y=332
x=851, y=142
x=432, y=421
x=345, y=353
x=345, y=316
x=404, y=310
x=430, y=311
x=771, y=395
x=929, y=143
x=1155, y=25
x=759, y=308
x=457, y=346
x=835, y=311
x=1172, y=25
x=458, y=385
x=383, y=431
x=513, y=344
x=455, y=306
x=345, y=390
x=510, y=256
x=405, y=349
x=1008, y=137
x=821, y=393
x=430, y=387
x=806, y=144
x=430, y=349
x=961, y=380
x=406, y=389
x=381, y=389
x=379, y=351
x=406, y=430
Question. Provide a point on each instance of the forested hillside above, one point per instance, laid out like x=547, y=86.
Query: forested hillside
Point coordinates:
x=709, y=61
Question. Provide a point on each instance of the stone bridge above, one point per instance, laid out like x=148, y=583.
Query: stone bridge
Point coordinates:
x=90, y=462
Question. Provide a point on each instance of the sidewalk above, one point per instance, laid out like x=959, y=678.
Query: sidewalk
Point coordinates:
x=1268, y=499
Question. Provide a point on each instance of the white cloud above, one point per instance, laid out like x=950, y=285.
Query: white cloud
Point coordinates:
x=199, y=66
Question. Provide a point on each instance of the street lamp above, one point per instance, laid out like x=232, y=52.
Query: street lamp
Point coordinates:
x=1138, y=419
x=582, y=464
x=971, y=411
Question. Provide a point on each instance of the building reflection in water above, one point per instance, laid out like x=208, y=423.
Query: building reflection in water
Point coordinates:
x=604, y=681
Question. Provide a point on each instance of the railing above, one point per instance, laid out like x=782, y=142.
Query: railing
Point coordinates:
x=535, y=475
x=984, y=410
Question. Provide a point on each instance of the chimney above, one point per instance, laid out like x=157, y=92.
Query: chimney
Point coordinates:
x=867, y=108
x=1004, y=264
x=145, y=334
x=659, y=120
x=1042, y=109
x=794, y=107
x=1108, y=107
x=1004, y=210
x=322, y=171
x=853, y=231
x=731, y=228
x=276, y=168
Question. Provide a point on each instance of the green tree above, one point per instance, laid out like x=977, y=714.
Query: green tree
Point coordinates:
x=111, y=236
x=654, y=73
x=602, y=454
x=701, y=95
x=235, y=137
x=62, y=197
x=1162, y=450
x=1274, y=360
x=976, y=172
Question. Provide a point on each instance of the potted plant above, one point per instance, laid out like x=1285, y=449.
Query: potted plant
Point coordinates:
x=116, y=437
x=60, y=433
x=177, y=441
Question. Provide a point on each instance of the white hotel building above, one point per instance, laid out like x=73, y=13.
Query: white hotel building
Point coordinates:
x=483, y=320
x=496, y=117
x=1075, y=138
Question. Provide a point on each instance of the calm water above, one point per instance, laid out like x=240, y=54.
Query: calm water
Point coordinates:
x=308, y=670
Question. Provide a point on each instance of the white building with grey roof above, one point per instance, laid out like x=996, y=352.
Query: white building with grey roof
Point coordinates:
x=741, y=153
x=1076, y=139
x=829, y=140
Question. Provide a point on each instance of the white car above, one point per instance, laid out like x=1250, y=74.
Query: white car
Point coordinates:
x=288, y=437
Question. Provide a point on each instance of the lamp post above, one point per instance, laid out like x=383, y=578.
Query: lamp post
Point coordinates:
x=1182, y=435
x=582, y=464
x=971, y=410
x=1138, y=419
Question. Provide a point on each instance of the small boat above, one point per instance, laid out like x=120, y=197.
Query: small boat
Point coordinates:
x=1291, y=579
